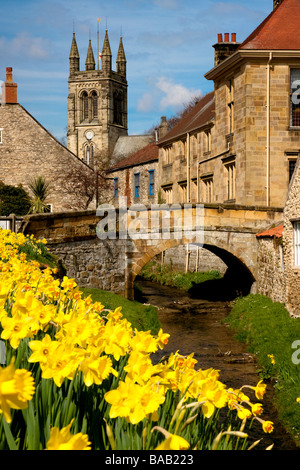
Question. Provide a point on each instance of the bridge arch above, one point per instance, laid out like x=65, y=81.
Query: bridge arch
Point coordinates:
x=237, y=280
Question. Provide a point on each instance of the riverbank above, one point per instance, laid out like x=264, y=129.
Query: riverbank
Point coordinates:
x=141, y=317
x=196, y=326
x=273, y=337
x=165, y=275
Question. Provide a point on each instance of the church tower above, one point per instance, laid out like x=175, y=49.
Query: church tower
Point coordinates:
x=97, y=104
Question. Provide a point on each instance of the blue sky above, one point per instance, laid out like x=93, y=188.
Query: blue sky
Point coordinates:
x=168, y=46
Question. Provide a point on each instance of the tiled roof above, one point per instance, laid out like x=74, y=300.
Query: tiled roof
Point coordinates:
x=279, y=31
x=146, y=154
x=275, y=232
x=200, y=114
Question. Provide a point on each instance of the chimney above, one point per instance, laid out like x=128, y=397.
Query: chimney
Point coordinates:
x=224, y=49
x=9, y=89
x=163, y=128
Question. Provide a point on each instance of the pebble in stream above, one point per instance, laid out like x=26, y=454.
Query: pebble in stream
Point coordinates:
x=195, y=327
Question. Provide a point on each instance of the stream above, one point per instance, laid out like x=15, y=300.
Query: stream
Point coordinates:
x=195, y=326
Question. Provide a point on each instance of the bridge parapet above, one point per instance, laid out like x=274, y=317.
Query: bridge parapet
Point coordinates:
x=110, y=258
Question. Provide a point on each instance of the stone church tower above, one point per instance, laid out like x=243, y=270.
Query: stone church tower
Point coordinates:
x=97, y=104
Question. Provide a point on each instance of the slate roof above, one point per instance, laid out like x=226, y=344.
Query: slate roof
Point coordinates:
x=146, y=154
x=279, y=31
x=202, y=113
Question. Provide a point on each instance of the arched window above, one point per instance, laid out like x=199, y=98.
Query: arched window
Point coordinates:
x=118, y=109
x=89, y=154
x=85, y=106
x=95, y=105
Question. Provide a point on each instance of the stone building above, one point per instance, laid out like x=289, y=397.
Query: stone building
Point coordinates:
x=28, y=150
x=97, y=104
x=135, y=177
x=240, y=143
x=279, y=253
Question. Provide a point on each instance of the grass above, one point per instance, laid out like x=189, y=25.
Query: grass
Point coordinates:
x=141, y=317
x=165, y=275
x=267, y=329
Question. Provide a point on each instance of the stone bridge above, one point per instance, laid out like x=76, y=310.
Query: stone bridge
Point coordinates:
x=107, y=250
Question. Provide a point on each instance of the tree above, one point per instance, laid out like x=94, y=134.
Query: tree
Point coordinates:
x=40, y=191
x=91, y=185
x=13, y=200
x=173, y=120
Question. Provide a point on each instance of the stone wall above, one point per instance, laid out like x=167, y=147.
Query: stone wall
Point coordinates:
x=94, y=263
x=292, y=272
x=272, y=276
x=28, y=150
x=126, y=184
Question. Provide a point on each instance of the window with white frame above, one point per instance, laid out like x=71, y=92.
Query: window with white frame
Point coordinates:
x=297, y=243
x=1, y=131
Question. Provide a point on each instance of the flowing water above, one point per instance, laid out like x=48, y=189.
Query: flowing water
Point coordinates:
x=195, y=326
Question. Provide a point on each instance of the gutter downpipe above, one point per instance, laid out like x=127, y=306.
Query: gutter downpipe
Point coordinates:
x=188, y=197
x=268, y=129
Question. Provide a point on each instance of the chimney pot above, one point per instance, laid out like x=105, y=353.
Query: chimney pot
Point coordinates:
x=226, y=37
x=233, y=37
x=9, y=88
x=220, y=37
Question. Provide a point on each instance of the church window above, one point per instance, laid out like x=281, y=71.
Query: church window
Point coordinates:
x=89, y=154
x=295, y=98
x=118, y=105
x=95, y=105
x=85, y=106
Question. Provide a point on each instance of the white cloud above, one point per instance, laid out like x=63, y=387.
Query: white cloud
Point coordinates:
x=146, y=103
x=175, y=95
x=24, y=44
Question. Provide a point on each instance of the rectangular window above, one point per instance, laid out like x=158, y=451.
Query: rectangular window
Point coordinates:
x=230, y=106
x=207, y=141
x=230, y=180
x=151, y=182
x=208, y=189
x=1, y=136
x=297, y=243
x=168, y=194
x=292, y=164
x=295, y=98
x=137, y=185
x=116, y=187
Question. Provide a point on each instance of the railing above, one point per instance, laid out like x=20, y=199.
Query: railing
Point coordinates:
x=11, y=222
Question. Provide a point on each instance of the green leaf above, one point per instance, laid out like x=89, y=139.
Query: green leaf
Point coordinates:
x=9, y=437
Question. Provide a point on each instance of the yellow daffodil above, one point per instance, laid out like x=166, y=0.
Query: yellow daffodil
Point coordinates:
x=96, y=369
x=64, y=440
x=16, y=389
x=268, y=426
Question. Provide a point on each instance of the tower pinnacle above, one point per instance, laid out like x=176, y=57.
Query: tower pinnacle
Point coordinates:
x=74, y=57
x=90, y=60
x=121, y=59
